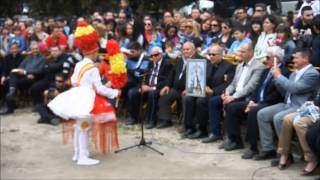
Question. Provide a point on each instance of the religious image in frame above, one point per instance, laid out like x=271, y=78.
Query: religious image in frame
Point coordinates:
x=196, y=77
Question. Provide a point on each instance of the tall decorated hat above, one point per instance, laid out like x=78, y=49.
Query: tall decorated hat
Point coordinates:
x=86, y=38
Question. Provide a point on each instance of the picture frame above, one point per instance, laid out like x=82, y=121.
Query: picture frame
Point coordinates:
x=196, y=77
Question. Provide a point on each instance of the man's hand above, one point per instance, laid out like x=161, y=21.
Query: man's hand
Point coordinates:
x=209, y=91
x=250, y=106
x=164, y=91
x=19, y=71
x=108, y=84
x=276, y=72
x=184, y=92
x=30, y=76
x=146, y=88
x=2, y=80
x=228, y=99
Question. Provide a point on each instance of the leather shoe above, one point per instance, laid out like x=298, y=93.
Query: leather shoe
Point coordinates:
x=131, y=121
x=197, y=135
x=187, y=133
x=249, y=153
x=233, y=146
x=7, y=111
x=165, y=124
x=264, y=155
x=211, y=138
x=150, y=126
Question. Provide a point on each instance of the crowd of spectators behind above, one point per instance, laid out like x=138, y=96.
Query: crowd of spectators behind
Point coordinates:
x=37, y=58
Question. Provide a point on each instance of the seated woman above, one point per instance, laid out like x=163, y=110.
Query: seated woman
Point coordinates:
x=301, y=120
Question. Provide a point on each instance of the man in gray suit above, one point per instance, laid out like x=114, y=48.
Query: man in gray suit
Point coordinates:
x=300, y=87
x=243, y=84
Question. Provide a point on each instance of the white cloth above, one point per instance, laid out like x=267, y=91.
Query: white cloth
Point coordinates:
x=78, y=102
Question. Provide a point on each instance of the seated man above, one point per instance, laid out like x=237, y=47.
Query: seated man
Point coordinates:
x=46, y=115
x=155, y=80
x=25, y=75
x=219, y=75
x=264, y=95
x=300, y=87
x=175, y=85
x=137, y=66
x=305, y=117
x=239, y=33
x=53, y=66
x=242, y=86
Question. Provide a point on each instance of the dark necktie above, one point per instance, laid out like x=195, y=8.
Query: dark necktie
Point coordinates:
x=154, y=75
x=263, y=87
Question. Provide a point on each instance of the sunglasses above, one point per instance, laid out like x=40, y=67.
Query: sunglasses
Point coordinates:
x=154, y=55
x=212, y=54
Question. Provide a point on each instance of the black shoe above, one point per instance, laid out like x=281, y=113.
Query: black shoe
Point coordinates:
x=264, y=155
x=197, y=135
x=164, y=124
x=249, y=153
x=131, y=121
x=187, y=133
x=151, y=126
x=233, y=146
x=41, y=121
x=211, y=138
x=55, y=121
x=7, y=111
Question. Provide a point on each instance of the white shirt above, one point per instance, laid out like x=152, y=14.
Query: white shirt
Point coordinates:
x=243, y=76
x=91, y=78
x=156, y=75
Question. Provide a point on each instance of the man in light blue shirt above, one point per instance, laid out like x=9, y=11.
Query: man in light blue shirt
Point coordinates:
x=240, y=36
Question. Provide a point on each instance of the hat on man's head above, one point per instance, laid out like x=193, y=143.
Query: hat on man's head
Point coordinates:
x=86, y=38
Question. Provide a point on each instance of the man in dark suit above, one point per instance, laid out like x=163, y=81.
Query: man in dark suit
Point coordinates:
x=266, y=94
x=219, y=75
x=175, y=85
x=245, y=81
x=155, y=81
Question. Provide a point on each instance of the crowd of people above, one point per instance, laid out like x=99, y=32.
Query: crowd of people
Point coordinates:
x=262, y=72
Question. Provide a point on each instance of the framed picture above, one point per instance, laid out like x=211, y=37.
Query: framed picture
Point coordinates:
x=196, y=77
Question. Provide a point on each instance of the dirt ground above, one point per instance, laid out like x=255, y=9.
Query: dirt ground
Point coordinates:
x=35, y=151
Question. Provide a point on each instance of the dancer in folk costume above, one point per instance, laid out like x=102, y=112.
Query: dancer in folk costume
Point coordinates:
x=86, y=101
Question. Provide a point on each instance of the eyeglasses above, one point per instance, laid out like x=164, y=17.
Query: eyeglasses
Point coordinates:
x=212, y=54
x=154, y=55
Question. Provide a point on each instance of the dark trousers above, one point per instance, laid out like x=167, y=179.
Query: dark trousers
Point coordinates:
x=37, y=89
x=252, y=135
x=164, y=113
x=313, y=138
x=18, y=82
x=133, y=102
x=152, y=104
x=45, y=113
x=195, y=112
x=215, y=113
x=234, y=115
